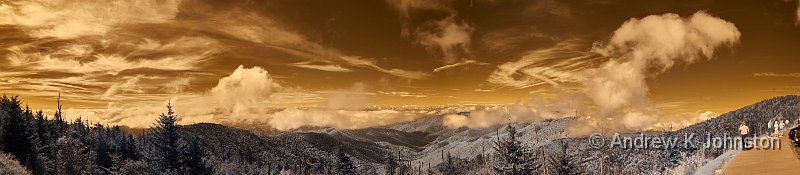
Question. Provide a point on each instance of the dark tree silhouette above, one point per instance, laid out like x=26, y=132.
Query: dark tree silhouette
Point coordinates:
x=448, y=166
x=563, y=163
x=19, y=134
x=391, y=165
x=345, y=165
x=163, y=154
x=192, y=158
x=513, y=157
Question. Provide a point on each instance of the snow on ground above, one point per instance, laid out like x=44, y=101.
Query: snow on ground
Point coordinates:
x=718, y=163
x=468, y=143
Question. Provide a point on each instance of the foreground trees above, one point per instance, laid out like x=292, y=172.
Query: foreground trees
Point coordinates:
x=563, y=163
x=169, y=152
x=513, y=157
x=54, y=146
x=345, y=165
x=19, y=135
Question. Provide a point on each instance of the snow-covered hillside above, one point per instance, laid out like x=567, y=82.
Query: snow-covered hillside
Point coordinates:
x=421, y=144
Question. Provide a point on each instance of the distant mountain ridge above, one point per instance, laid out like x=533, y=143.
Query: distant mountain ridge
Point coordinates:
x=425, y=140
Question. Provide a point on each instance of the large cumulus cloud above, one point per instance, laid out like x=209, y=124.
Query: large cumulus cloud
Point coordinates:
x=646, y=47
x=640, y=49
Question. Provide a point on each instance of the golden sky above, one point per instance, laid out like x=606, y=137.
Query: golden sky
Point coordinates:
x=678, y=58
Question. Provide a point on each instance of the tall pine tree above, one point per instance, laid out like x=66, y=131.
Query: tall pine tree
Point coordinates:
x=563, y=163
x=514, y=158
x=163, y=154
x=391, y=165
x=448, y=166
x=19, y=134
x=45, y=140
x=192, y=158
x=345, y=165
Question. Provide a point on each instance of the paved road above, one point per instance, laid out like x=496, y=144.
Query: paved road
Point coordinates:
x=768, y=161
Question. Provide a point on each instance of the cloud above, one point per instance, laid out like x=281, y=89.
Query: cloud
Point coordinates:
x=797, y=13
x=548, y=8
x=462, y=63
x=354, y=97
x=178, y=85
x=128, y=85
x=329, y=68
x=403, y=94
x=537, y=109
x=405, y=7
x=450, y=36
x=366, y=62
x=511, y=38
x=87, y=58
x=87, y=47
x=538, y=68
x=771, y=74
x=91, y=68
x=613, y=74
x=69, y=19
x=249, y=95
x=646, y=47
x=244, y=90
x=706, y=115
x=252, y=27
x=683, y=120
x=245, y=94
x=293, y=118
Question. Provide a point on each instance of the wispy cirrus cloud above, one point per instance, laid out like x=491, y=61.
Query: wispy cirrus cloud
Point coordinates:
x=797, y=11
x=554, y=65
x=149, y=50
x=259, y=29
x=459, y=64
x=128, y=85
x=83, y=58
x=367, y=62
x=70, y=19
x=772, y=74
x=797, y=14
x=322, y=67
x=450, y=37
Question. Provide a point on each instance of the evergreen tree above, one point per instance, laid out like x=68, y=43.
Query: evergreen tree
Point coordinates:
x=43, y=129
x=391, y=165
x=163, y=155
x=19, y=134
x=345, y=166
x=513, y=157
x=448, y=166
x=103, y=147
x=71, y=155
x=128, y=148
x=563, y=163
x=192, y=158
x=670, y=155
x=45, y=140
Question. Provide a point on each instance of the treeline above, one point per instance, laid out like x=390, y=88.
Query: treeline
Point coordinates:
x=51, y=145
x=44, y=144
